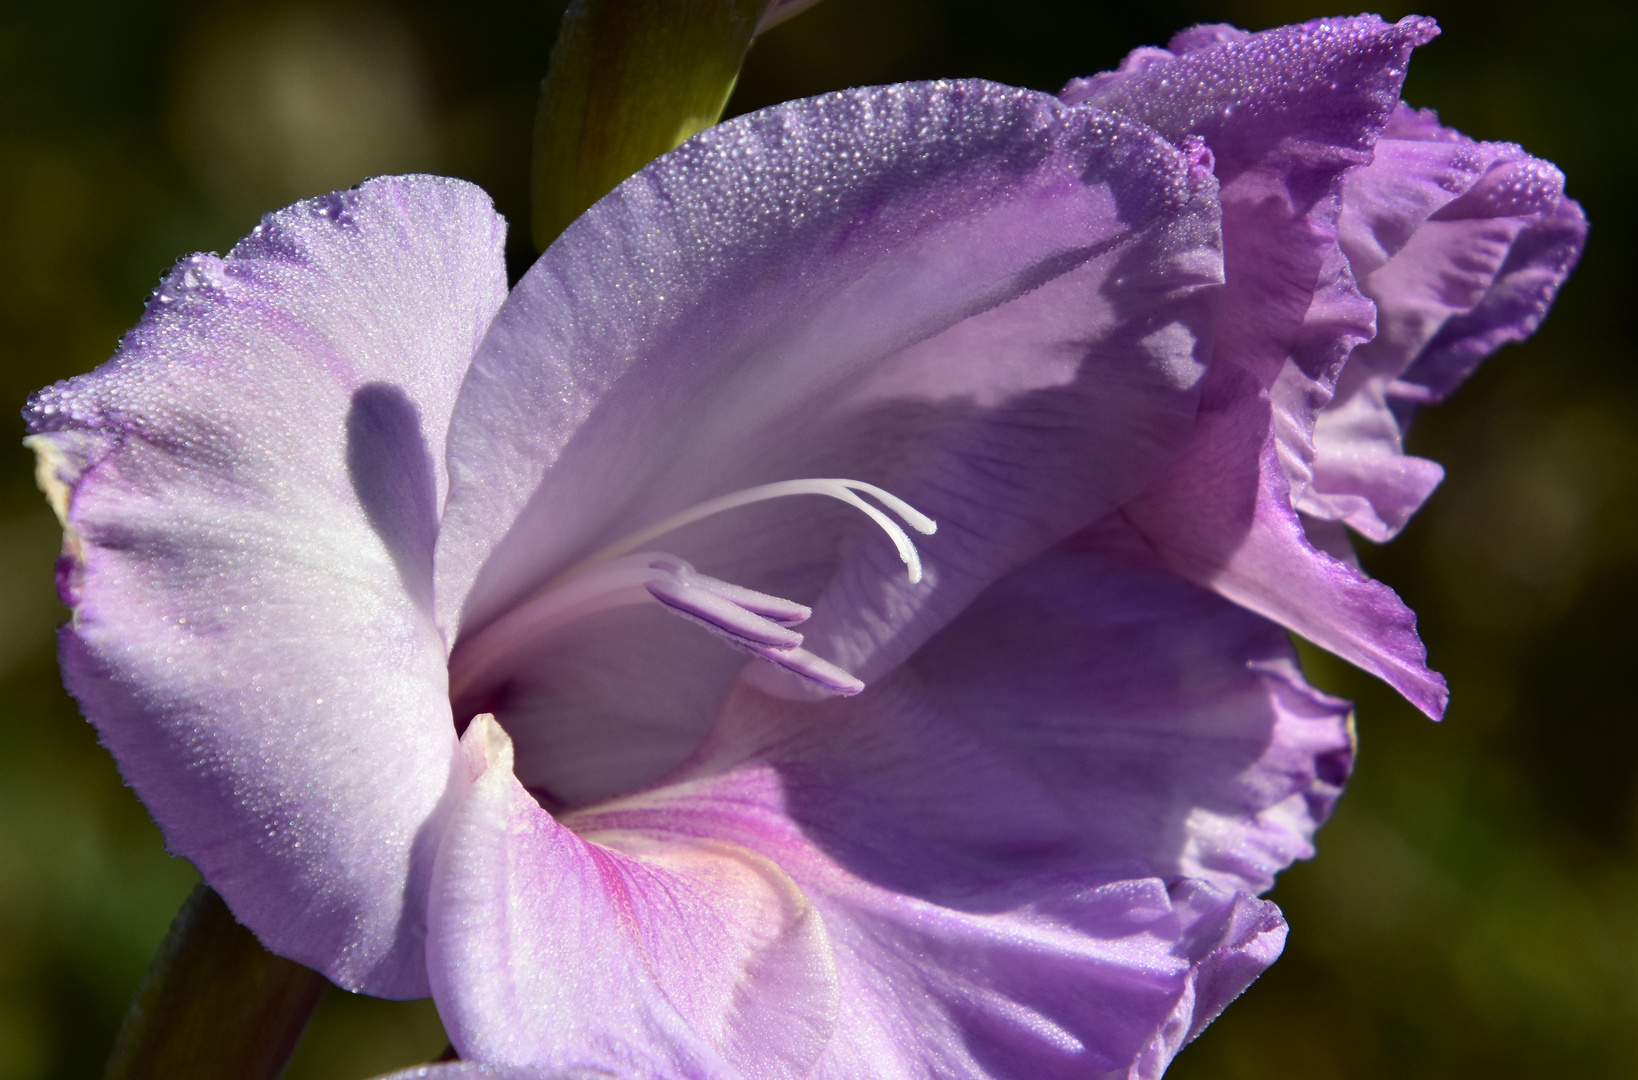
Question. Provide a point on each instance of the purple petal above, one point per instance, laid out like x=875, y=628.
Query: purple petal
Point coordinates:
x=1514, y=305
x=1311, y=96
x=1175, y=725
x=1033, y=851
x=622, y=1068
x=251, y=491
x=1462, y=246
x=979, y=299
x=553, y=949
x=1287, y=114
x=472, y=1070
x=1230, y=525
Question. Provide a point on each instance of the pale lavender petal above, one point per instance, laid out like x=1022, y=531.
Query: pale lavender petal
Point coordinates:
x=1034, y=850
x=471, y=1070
x=1288, y=114
x=981, y=300
x=631, y=948
x=251, y=490
x=1443, y=233
x=621, y=1068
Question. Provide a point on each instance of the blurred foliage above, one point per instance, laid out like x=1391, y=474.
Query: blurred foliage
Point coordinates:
x=1474, y=912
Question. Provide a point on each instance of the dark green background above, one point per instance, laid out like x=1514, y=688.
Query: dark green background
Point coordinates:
x=1474, y=910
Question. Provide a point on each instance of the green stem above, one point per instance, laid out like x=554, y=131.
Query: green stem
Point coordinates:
x=214, y=1004
x=628, y=81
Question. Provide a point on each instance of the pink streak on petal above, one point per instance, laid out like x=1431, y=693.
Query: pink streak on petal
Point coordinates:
x=549, y=948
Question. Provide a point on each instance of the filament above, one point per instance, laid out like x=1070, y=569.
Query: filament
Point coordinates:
x=835, y=489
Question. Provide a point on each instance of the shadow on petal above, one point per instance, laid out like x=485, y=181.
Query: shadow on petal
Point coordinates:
x=392, y=475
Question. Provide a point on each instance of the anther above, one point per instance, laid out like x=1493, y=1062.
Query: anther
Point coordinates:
x=721, y=615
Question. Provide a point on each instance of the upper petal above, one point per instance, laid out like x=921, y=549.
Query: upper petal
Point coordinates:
x=1317, y=92
x=251, y=491
x=1463, y=247
x=1290, y=114
x=983, y=301
x=595, y=1069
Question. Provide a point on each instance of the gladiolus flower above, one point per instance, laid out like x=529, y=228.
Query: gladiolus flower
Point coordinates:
x=829, y=619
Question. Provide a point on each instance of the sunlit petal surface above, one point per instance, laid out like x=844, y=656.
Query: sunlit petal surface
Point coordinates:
x=252, y=489
x=829, y=620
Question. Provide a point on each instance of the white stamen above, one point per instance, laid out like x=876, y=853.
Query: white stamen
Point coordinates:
x=615, y=577
x=835, y=489
x=912, y=517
